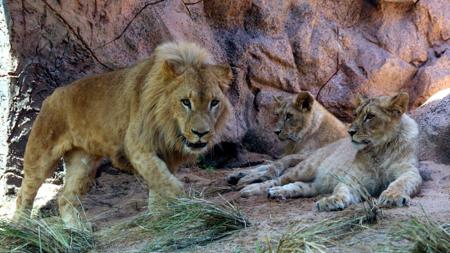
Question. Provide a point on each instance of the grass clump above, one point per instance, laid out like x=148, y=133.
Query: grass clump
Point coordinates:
x=183, y=222
x=318, y=237
x=43, y=235
x=423, y=234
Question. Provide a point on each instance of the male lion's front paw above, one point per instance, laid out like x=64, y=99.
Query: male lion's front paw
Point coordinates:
x=390, y=198
x=332, y=203
x=172, y=189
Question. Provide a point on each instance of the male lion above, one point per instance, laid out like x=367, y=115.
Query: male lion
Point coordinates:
x=379, y=157
x=306, y=126
x=149, y=118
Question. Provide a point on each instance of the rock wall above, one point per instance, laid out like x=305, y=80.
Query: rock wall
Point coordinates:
x=334, y=49
x=433, y=119
x=6, y=66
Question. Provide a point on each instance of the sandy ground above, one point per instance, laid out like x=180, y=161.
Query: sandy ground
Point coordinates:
x=118, y=197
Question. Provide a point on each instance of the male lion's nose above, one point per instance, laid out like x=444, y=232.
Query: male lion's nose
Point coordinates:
x=277, y=132
x=200, y=134
x=351, y=131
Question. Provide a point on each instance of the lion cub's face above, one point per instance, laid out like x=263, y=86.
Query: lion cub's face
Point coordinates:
x=377, y=119
x=199, y=105
x=294, y=116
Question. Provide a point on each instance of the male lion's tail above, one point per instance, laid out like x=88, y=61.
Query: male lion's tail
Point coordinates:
x=180, y=55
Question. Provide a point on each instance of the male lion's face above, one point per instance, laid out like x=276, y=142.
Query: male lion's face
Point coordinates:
x=199, y=105
x=377, y=119
x=294, y=116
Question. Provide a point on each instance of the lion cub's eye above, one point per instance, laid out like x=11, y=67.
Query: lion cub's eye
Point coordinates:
x=186, y=102
x=369, y=116
x=289, y=116
x=214, y=103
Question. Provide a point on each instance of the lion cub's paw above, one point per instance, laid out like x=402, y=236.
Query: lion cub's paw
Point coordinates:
x=246, y=177
x=332, y=203
x=234, y=178
x=278, y=192
x=390, y=198
x=252, y=179
x=251, y=190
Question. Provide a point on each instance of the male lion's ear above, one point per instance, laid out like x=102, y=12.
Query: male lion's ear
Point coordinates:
x=224, y=73
x=304, y=101
x=398, y=104
x=173, y=68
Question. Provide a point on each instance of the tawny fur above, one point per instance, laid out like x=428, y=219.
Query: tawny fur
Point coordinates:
x=134, y=116
x=306, y=126
x=380, y=157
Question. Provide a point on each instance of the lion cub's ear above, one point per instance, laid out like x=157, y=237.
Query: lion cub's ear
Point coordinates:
x=359, y=99
x=224, y=73
x=304, y=101
x=398, y=104
x=279, y=100
x=173, y=68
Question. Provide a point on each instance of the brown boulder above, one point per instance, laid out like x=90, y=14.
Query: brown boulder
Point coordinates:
x=334, y=49
x=432, y=18
x=431, y=78
x=398, y=34
x=433, y=119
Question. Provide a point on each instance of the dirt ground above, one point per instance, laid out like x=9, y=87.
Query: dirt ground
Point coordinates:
x=119, y=197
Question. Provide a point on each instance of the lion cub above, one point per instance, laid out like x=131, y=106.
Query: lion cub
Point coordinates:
x=306, y=126
x=379, y=157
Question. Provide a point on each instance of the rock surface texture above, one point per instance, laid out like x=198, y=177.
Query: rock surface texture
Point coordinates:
x=334, y=49
x=434, y=124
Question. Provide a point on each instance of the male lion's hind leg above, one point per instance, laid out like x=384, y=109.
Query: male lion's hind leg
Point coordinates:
x=342, y=197
x=80, y=173
x=38, y=165
x=292, y=190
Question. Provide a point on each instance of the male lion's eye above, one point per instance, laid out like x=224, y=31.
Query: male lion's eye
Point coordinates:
x=214, y=103
x=288, y=116
x=186, y=103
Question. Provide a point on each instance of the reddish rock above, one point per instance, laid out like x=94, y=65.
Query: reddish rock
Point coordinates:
x=11, y=179
x=432, y=77
x=432, y=18
x=334, y=49
x=398, y=34
x=9, y=183
x=433, y=119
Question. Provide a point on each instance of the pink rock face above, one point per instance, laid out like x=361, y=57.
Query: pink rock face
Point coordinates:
x=334, y=49
x=433, y=119
x=431, y=78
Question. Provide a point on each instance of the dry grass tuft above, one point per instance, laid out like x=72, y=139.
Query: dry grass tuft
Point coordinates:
x=318, y=237
x=183, y=222
x=45, y=236
x=423, y=234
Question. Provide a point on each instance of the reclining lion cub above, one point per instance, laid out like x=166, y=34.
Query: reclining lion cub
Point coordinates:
x=306, y=126
x=149, y=118
x=380, y=156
